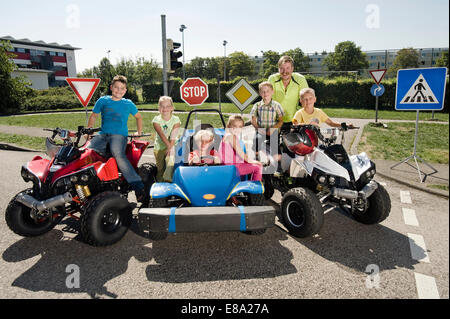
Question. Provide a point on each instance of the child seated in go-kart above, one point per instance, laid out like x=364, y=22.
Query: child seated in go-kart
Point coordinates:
x=204, y=153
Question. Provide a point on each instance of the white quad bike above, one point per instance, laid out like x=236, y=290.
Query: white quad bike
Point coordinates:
x=317, y=177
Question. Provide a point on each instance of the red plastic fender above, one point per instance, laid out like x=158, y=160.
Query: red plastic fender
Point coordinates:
x=107, y=171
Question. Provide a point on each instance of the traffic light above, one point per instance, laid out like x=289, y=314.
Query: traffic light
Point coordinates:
x=173, y=56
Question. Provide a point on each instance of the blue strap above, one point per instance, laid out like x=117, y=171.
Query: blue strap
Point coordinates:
x=172, y=227
x=243, y=226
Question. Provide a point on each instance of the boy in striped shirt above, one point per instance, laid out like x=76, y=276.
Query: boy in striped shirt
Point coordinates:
x=267, y=117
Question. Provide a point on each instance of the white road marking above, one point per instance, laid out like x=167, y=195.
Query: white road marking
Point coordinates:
x=418, y=248
x=409, y=216
x=426, y=287
x=405, y=197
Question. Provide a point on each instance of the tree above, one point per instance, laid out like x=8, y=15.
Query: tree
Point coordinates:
x=241, y=65
x=407, y=58
x=301, y=61
x=346, y=57
x=443, y=59
x=105, y=71
x=13, y=91
x=146, y=72
x=270, y=64
x=127, y=68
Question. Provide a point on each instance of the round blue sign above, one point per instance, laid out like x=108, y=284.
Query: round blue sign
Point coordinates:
x=377, y=90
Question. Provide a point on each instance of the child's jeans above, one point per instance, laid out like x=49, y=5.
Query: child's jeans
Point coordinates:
x=117, y=145
x=247, y=168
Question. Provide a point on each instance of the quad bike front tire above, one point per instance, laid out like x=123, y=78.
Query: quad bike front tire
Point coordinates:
x=106, y=219
x=379, y=207
x=19, y=220
x=301, y=212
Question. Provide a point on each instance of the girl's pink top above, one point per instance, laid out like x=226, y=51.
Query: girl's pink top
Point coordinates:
x=227, y=154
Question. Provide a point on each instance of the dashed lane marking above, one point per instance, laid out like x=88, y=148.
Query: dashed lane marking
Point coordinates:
x=405, y=197
x=418, y=248
x=426, y=287
x=409, y=216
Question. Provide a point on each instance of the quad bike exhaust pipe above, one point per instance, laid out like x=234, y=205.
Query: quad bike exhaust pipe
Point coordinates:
x=365, y=192
x=40, y=206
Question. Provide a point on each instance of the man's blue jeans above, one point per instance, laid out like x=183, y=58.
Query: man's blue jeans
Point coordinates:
x=117, y=145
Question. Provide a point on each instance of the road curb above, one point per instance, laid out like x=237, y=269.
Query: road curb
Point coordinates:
x=421, y=188
x=12, y=147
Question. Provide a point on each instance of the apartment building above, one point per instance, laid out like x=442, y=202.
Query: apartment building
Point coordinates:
x=43, y=64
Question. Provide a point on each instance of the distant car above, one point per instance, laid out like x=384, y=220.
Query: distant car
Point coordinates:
x=205, y=198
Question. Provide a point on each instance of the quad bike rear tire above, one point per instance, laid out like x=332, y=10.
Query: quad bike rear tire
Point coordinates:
x=106, y=219
x=301, y=212
x=379, y=207
x=19, y=220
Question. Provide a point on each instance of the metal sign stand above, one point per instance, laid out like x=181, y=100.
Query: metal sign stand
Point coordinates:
x=415, y=156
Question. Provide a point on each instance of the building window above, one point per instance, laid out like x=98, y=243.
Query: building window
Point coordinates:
x=20, y=50
x=60, y=53
x=52, y=53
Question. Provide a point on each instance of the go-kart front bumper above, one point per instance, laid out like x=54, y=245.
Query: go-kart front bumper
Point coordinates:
x=206, y=219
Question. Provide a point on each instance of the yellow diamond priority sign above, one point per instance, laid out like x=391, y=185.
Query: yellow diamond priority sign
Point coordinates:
x=242, y=94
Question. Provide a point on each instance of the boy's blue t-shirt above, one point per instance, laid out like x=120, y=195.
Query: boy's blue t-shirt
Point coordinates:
x=114, y=114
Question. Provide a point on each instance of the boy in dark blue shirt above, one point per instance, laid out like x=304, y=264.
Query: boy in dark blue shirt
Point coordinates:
x=114, y=110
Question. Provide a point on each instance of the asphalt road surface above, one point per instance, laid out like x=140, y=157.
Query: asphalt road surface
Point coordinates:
x=406, y=256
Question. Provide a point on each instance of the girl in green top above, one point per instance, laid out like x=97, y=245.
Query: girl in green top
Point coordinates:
x=166, y=126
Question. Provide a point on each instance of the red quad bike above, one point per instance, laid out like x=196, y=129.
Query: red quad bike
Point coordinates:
x=80, y=183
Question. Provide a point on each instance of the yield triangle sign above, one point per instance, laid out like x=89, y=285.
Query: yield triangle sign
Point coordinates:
x=419, y=92
x=83, y=88
x=378, y=75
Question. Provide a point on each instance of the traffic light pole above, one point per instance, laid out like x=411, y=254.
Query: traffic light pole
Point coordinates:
x=164, y=50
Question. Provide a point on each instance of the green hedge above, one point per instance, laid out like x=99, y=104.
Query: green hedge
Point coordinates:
x=337, y=92
x=65, y=98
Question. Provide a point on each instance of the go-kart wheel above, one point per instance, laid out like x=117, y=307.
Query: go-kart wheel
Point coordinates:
x=19, y=220
x=379, y=207
x=301, y=212
x=268, y=187
x=256, y=199
x=158, y=203
x=106, y=219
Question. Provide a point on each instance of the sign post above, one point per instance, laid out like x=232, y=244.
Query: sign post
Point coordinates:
x=377, y=89
x=420, y=89
x=84, y=90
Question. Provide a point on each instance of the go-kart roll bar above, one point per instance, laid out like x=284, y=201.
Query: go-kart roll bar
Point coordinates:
x=203, y=111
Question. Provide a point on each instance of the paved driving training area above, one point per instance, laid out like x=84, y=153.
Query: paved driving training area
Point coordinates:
x=406, y=256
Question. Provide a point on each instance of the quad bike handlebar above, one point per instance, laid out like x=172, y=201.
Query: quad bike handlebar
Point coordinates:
x=334, y=132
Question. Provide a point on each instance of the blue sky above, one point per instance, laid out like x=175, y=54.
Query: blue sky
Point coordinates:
x=133, y=28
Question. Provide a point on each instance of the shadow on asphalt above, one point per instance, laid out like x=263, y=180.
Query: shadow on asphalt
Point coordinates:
x=181, y=258
x=345, y=241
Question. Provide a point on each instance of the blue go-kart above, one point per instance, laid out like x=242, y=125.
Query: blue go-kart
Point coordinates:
x=205, y=198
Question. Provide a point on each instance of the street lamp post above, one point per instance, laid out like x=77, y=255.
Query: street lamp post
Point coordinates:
x=108, y=52
x=225, y=60
x=182, y=28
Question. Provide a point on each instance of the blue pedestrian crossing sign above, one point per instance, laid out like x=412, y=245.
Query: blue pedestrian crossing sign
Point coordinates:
x=421, y=89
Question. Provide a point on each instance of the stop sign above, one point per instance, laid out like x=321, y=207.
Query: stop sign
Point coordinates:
x=194, y=91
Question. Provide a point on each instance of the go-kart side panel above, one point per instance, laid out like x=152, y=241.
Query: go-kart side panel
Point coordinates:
x=252, y=187
x=163, y=190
